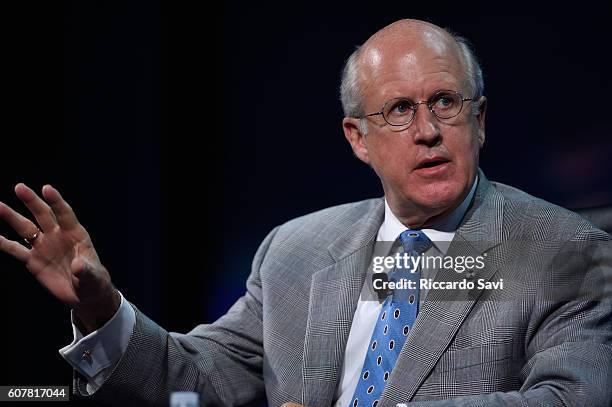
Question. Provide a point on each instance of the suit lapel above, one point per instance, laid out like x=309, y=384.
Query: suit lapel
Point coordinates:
x=334, y=294
x=443, y=312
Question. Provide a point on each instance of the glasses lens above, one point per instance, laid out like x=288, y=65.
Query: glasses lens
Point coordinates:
x=398, y=111
x=446, y=104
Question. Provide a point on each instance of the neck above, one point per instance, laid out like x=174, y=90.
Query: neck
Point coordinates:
x=421, y=218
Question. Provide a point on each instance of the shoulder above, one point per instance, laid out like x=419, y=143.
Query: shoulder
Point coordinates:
x=329, y=223
x=308, y=238
x=525, y=212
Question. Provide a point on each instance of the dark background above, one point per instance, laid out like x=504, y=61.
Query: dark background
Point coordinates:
x=182, y=135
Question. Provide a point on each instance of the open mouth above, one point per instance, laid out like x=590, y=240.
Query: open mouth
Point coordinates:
x=431, y=164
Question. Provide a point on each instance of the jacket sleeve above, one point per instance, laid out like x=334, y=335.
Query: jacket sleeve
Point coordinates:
x=222, y=361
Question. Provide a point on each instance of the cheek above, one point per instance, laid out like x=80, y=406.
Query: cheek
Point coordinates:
x=391, y=159
x=466, y=153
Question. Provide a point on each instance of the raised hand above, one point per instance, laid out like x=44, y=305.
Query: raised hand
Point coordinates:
x=61, y=256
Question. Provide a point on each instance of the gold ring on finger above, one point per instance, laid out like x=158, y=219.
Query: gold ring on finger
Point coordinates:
x=30, y=240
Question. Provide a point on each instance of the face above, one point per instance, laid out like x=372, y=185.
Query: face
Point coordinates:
x=427, y=168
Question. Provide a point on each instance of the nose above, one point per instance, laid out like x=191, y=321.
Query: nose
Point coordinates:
x=426, y=127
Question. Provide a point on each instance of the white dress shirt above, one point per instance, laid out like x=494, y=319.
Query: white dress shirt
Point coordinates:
x=96, y=355
x=367, y=311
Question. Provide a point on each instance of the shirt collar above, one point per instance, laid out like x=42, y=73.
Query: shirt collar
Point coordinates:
x=442, y=230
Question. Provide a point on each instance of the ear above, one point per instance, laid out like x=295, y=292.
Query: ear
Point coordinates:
x=350, y=125
x=480, y=119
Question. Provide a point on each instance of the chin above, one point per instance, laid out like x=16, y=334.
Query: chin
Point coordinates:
x=438, y=195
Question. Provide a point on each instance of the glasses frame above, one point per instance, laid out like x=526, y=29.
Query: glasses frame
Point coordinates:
x=415, y=106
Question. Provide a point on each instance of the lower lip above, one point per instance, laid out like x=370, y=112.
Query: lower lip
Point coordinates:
x=433, y=170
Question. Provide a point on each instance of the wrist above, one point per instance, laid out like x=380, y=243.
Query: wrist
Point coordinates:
x=92, y=316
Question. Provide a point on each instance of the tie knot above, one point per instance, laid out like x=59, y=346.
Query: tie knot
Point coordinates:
x=414, y=240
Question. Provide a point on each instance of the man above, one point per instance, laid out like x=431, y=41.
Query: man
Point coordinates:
x=306, y=330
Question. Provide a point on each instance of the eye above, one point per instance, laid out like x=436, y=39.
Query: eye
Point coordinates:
x=398, y=112
x=403, y=107
x=400, y=107
x=444, y=102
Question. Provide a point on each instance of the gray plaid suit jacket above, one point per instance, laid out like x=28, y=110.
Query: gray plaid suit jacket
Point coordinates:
x=284, y=340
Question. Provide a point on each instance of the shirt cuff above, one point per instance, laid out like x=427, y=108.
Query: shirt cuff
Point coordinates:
x=104, y=347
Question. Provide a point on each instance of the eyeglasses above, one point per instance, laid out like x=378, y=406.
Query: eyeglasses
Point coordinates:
x=444, y=104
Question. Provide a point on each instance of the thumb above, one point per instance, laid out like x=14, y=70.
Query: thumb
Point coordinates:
x=80, y=267
x=85, y=276
x=90, y=282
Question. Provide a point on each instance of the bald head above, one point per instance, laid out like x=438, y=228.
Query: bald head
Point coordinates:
x=402, y=30
x=398, y=47
x=399, y=44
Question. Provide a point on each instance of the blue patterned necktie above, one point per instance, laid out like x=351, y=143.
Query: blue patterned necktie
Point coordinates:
x=393, y=325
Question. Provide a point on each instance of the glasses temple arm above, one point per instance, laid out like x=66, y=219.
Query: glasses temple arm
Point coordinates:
x=371, y=114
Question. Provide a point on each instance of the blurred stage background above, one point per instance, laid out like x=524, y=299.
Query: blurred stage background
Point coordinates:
x=182, y=136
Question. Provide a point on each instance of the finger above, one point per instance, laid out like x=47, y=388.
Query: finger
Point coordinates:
x=39, y=208
x=22, y=225
x=15, y=249
x=64, y=214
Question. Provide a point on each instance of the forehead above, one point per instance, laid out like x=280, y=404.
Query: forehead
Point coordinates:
x=410, y=65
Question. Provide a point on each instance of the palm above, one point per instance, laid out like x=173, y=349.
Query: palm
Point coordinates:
x=61, y=251
x=50, y=262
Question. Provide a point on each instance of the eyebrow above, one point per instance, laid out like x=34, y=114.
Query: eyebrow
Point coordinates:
x=429, y=97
